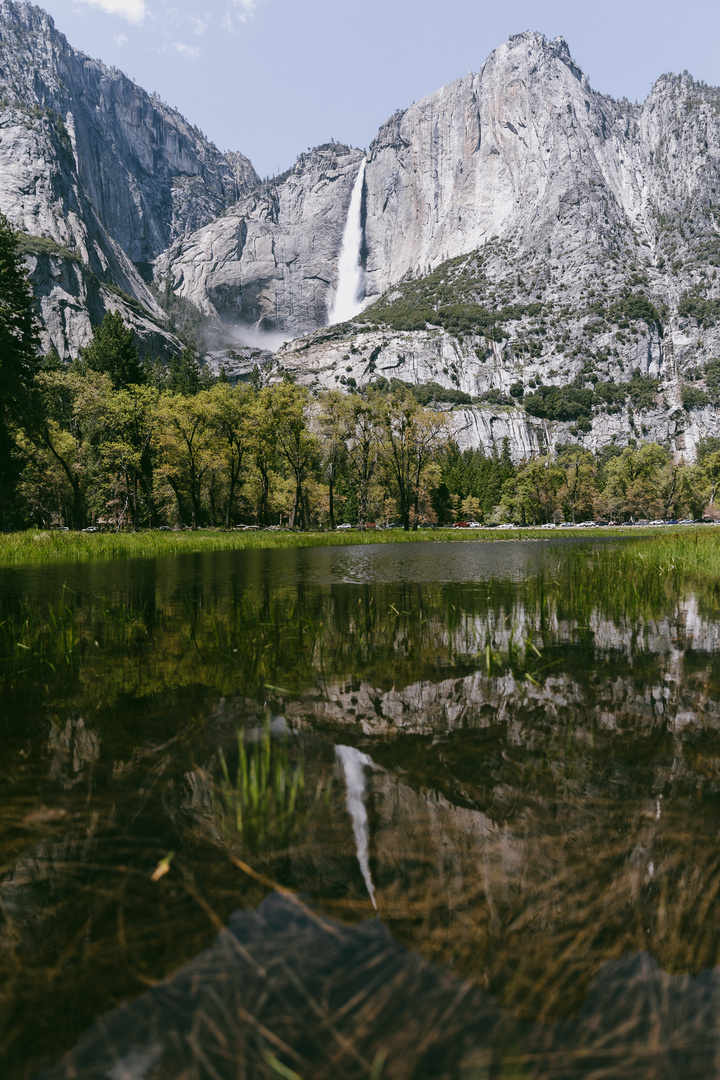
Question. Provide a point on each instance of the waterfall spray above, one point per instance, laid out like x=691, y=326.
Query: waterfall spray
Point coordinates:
x=350, y=291
x=353, y=763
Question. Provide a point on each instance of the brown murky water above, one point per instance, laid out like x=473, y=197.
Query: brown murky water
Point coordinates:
x=379, y=812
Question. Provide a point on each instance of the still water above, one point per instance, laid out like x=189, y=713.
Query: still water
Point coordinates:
x=402, y=811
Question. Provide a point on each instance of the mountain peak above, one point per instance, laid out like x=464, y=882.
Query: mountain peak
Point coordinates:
x=533, y=45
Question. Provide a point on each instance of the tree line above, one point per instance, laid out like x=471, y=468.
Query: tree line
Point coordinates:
x=114, y=441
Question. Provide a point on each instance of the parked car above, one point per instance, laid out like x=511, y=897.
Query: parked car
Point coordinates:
x=345, y=525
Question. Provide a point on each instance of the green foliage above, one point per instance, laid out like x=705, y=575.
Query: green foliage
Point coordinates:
x=113, y=352
x=183, y=374
x=712, y=380
x=559, y=402
x=184, y=319
x=425, y=393
x=457, y=319
x=18, y=331
x=433, y=393
x=693, y=398
x=576, y=402
x=472, y=474
x=706, y=312
x=642, y=391
x=18, y=361
x=449, y=297
x=707, y=446
x=43, y=245
x=495, y=397
x=634, y=306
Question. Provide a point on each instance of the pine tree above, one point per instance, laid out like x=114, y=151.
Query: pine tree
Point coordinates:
x=18, y=358
x=18, y=330
x=113, y=351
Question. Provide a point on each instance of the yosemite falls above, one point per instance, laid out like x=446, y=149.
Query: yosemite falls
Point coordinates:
x=350, y=288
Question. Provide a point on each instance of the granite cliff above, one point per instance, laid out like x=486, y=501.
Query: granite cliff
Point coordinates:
x=271, y=260
x=575, y=238
x=586, y=228
x=104, y=174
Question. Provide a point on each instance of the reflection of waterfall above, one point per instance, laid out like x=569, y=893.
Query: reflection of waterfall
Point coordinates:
x=350, y=292
x=353, y=763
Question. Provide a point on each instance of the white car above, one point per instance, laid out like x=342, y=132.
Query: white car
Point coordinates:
x=345, y=526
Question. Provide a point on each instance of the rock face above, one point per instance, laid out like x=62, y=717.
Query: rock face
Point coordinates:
x=271, y=262
x=523, y=151
x=517, y=189
x=572, y=201
x=356, y=354
x=110, y=174
x=149, y=174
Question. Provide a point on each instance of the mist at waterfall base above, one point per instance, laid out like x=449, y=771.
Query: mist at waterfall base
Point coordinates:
x=349, y=298
x=253, y=337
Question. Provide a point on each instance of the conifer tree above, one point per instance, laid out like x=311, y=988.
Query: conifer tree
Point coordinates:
x=18, y=357
x=113, y=352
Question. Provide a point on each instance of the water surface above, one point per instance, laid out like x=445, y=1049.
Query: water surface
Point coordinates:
x=500, y=860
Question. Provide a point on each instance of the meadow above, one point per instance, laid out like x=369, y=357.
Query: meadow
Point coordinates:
x=45, y=545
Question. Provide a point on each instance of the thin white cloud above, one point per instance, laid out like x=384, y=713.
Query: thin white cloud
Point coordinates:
x=245, y=9
x=120, y=39
x=239, y=11
x=199, y=25
x=132, y=10
x=188, y=52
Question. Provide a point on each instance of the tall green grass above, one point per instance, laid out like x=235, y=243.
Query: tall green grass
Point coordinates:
x=263, y=799
x=48, y=546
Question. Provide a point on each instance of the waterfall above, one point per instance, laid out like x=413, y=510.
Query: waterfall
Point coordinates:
x=350, y=292
x=353, y=763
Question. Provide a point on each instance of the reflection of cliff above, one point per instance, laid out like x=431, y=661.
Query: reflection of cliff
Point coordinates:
x=618, y=674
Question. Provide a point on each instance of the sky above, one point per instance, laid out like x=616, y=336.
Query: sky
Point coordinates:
x=272, y=78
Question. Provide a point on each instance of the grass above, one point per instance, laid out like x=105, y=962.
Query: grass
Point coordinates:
x=265, y=800
x=39, y=546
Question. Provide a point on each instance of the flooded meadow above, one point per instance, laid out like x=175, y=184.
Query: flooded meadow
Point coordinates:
x=440, y=810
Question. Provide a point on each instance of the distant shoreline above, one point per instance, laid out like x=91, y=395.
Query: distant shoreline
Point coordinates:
x=48, y=546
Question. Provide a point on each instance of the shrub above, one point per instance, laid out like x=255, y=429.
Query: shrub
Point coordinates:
x=706, y=312
x=642, y=391
x=559, y=402
x=712, y=380
x=693, y=398
x=632, y=307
